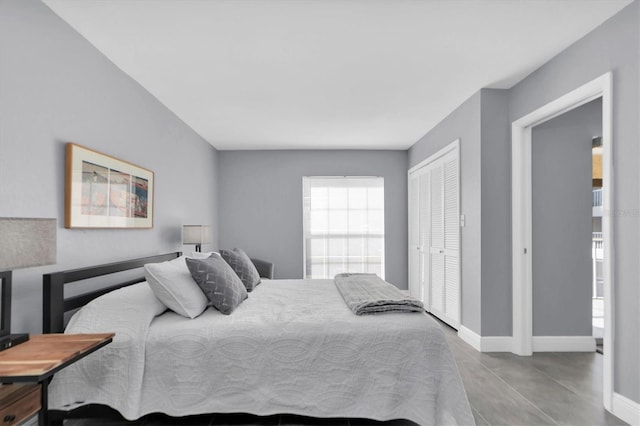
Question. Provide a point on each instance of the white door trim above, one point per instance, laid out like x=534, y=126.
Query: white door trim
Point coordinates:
x=521, y=218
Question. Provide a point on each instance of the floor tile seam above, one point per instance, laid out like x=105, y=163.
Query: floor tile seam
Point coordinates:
x=564, y=355
x=465, y=352
x=474, y=409
x=553, y=421
x=467, y=355
x=552, y=378
x=563, y=385
x=579, y=397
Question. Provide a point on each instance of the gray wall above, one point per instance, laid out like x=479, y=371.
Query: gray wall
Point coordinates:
x=463, y=123
x=496, y=214
x=561, y=252
x=614, y=46
x=54, y=88
x=261, y=202
x=482, y=125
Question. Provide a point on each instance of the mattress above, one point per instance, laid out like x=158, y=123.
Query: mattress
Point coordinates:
x=292, y=347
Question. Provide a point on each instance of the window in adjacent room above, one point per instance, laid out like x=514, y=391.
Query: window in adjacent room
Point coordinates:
x=343, y=225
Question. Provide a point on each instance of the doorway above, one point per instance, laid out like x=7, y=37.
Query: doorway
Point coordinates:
x=597, y=248
x=562, y=228
x=521, y=198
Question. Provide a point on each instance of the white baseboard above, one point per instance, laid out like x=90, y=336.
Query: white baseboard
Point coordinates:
x=564, y=344
x=486, y=343
x=470, y=337
x=626, y=409
x=540, y=343
x=497, y=344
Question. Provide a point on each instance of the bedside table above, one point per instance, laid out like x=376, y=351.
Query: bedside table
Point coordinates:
x=18, y=403
x=37, y=360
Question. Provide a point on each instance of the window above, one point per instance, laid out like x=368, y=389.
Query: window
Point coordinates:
x=343, y=225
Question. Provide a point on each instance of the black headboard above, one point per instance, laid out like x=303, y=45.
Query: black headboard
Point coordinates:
x=5, y=302
x=54, y=304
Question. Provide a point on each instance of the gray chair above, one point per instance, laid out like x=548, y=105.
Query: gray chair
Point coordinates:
x=265, y=269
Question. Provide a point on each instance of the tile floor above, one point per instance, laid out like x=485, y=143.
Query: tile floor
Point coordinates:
x=503, y=389
x=548, y=388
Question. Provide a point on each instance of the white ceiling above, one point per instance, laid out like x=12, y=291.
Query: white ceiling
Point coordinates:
x=347, y=74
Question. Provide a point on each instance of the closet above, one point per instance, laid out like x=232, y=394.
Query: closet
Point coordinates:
x=434, y=234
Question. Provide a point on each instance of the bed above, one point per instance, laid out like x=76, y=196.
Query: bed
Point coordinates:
x=292, y=346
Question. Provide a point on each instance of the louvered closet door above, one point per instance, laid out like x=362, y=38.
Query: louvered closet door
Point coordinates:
x=436, y=243
x=424, y=232
x=451, y=240
x=415, y=285
x=444, y=241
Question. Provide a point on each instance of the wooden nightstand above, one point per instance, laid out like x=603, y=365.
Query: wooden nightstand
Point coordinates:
x=37, y=360
x=18, y=403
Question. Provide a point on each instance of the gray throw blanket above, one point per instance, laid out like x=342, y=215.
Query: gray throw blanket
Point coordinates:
x=370, y=294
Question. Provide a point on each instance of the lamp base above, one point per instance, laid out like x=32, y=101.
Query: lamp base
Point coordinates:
x=11, y=340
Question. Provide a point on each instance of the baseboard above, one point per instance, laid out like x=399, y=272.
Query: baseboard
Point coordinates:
x=497, y=344
x=470, y=337
x=564, y=344
x=486, y=343
x=540, y=343
x=626, y=409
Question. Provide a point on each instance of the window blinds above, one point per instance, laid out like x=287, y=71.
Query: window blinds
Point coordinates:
x=343, y=225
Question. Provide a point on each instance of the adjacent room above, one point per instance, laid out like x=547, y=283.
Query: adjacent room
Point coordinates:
x=366, y=212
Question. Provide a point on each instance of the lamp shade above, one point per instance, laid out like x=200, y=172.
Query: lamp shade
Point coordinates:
x=26, y=242
x=196, y=234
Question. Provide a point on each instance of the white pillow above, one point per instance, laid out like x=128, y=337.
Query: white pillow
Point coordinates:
x=172, y=283
x=201, y=255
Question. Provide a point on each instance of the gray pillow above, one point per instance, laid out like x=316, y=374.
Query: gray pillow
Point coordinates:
x=219, y=283
x=243, y=267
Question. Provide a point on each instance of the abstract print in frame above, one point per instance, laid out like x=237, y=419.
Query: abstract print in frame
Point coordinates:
x=104, y=192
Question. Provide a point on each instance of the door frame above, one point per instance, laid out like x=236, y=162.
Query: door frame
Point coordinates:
x=450, y=147
x=521, y=217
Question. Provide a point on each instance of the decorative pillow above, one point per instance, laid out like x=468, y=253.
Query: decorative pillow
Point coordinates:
x=171, y=282
x=219, y=283
x=243, y=267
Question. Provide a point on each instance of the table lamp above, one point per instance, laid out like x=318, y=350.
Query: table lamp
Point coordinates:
x=24, y=242
x=196, y=234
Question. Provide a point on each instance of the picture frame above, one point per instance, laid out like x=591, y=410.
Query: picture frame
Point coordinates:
x=102, y=191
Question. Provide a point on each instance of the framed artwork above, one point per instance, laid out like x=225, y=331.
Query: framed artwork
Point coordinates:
x=105, y=192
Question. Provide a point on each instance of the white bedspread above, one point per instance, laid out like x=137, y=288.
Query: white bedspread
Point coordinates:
x=112, y=375
x=292, y=347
